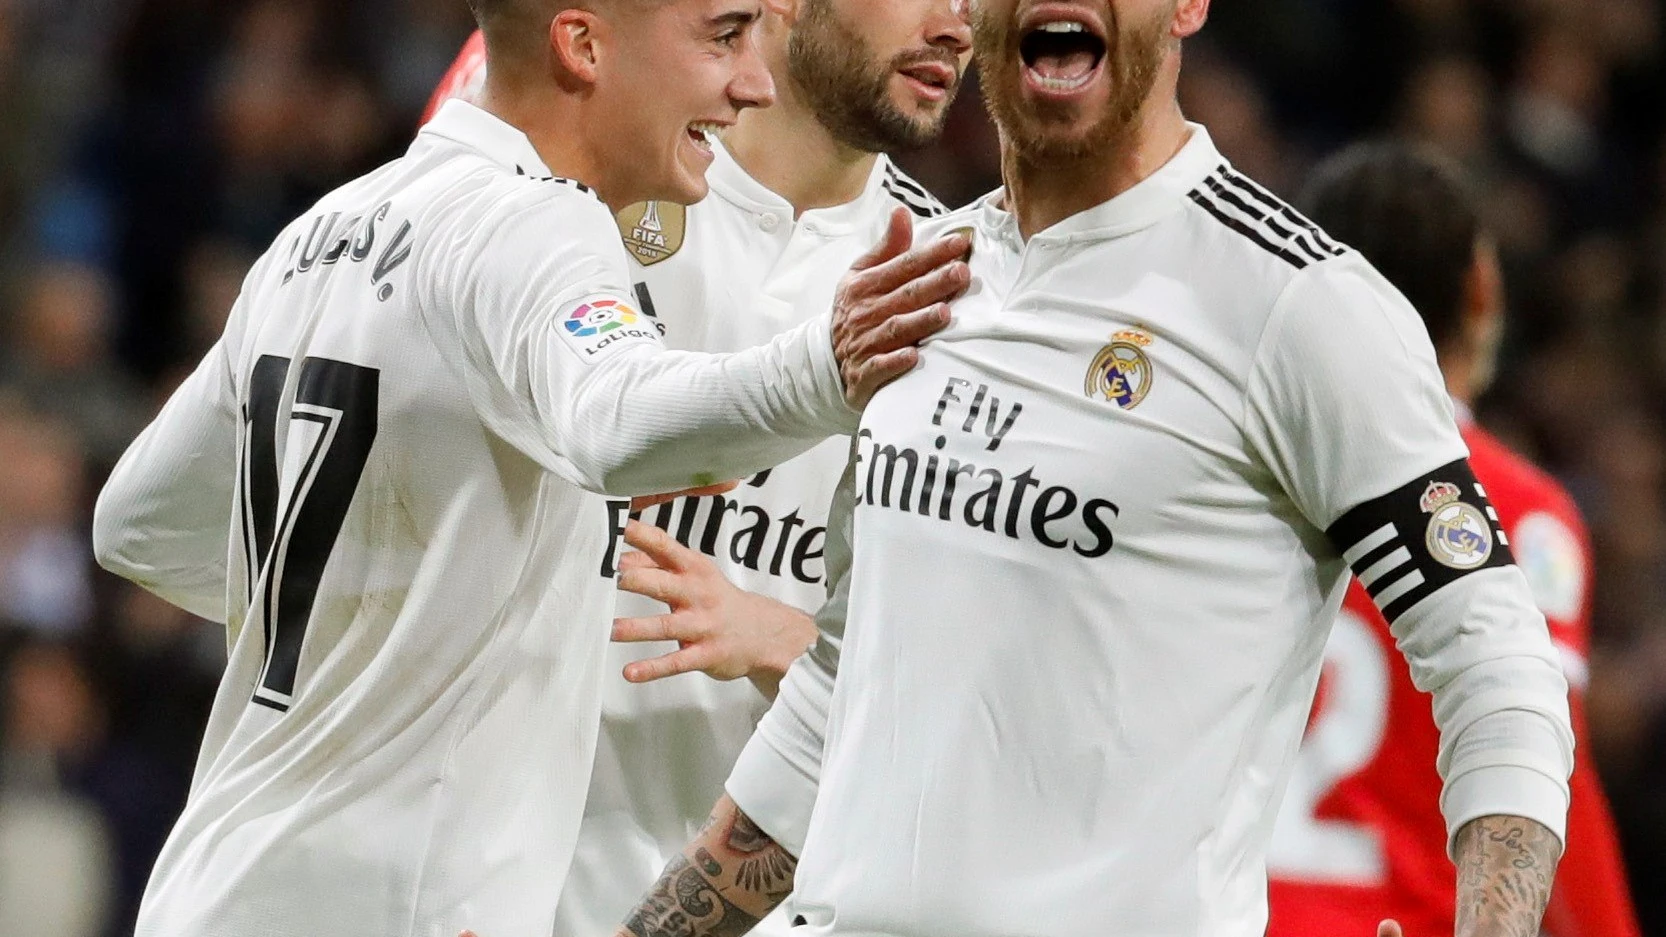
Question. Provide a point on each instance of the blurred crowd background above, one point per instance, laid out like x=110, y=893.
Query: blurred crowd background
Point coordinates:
x=149, y=149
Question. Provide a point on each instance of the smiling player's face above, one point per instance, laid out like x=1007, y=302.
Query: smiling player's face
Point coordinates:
x=1065, y=78
x=674, y=72
x=879, y=74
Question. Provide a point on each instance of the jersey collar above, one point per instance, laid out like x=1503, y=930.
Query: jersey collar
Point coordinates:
x=465, y=124
x=731, y=182
x=1159, y=194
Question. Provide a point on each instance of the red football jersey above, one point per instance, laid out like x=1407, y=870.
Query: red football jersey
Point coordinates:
x=1361, y=837
x=465, y=78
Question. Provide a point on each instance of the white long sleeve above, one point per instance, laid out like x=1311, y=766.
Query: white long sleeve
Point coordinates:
x=597, y=400
x=164, y=517
x=1355, y=418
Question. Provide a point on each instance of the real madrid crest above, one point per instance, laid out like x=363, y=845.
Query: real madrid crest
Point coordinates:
x=1121, y=372
x=653, y=231
x=1459, y=535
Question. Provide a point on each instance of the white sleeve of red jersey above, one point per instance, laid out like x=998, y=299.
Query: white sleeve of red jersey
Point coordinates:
x=774, y=782
x=528, y=279
x=1351, y=414
x=164, y=517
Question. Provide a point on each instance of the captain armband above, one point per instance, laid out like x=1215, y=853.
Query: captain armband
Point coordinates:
x=1414, y=541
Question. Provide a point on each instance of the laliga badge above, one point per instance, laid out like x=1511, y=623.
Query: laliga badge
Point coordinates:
x=1458, y=536
x=653, y=231
x=1121, y=372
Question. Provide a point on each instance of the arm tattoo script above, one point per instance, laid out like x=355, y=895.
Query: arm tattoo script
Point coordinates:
x=721, y=886
x=1505, y=869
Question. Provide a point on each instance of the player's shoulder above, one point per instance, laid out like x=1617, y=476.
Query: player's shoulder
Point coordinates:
x=473, y=180
x=904, y=190
x=1260, y=247
x=470, y=197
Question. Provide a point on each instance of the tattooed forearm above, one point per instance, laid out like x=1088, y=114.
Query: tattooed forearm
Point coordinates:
x=684, y=903
x=767, y=868
x=744, y=835
x=1505, y=869
x=721, y=886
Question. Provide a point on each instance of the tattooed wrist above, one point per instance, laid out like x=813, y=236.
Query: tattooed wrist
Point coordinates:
x=1506, y=866
x=686, y=903
x=721, y=886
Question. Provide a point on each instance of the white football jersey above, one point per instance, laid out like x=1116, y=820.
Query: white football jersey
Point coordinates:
x=729, y=273
x=1098, y=540
x=381, y=476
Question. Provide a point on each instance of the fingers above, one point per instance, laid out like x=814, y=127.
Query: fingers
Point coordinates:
x=657, y=584
x=903, y=331
x=876, y=372
x=893, y=274
x=645, y=502
x=906, y=316
x=635, y=560
x=651, y=628
x=687, y=660
x=898, y=238
x=889, y=352
x=659, y=546
x=938, y=286
x=1389, y=929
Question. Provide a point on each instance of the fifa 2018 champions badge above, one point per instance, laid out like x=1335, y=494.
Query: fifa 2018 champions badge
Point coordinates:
x=1458, y=535
x=653, y=231
x=1121, y=373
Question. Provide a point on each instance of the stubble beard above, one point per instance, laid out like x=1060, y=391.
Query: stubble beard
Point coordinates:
x=848, y=89
x=1133, y=59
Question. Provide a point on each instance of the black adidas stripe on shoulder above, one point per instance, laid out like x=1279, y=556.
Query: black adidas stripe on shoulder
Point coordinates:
x=558, y=180
x=1263, y=219
x=911, y=194
x=1275, y=204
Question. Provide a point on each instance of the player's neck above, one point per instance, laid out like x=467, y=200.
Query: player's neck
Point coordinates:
x=792, y=154
x=542, y=115
x=1458, y=369
x=1042, y=193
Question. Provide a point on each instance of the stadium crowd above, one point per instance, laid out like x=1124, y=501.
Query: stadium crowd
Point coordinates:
x=149, y=149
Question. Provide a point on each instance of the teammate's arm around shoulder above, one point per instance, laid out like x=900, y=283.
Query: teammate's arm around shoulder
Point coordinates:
x=1348, y=409
x=536, y=294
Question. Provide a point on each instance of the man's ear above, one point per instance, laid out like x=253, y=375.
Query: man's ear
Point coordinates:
x=786, y=9
x=1189, y=17
x=573, y=40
